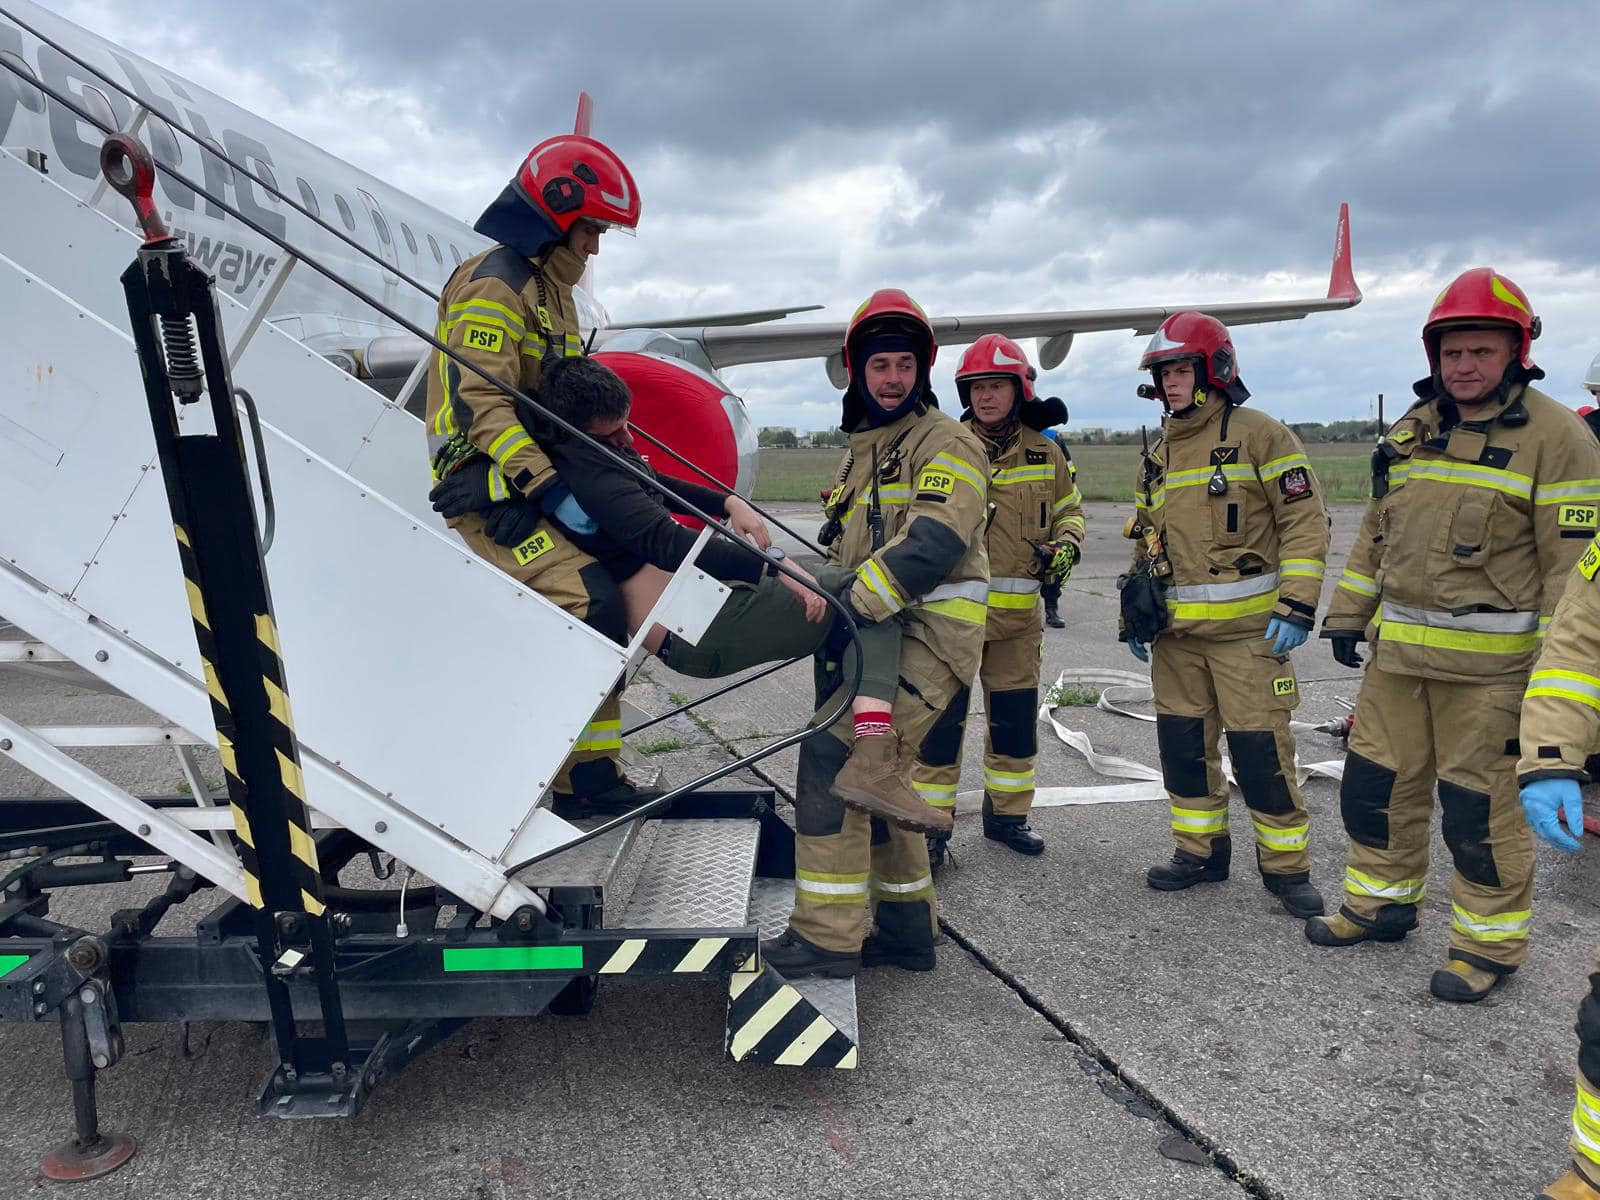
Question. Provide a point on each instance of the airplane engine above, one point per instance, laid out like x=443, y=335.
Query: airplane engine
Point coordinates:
x=692, y=411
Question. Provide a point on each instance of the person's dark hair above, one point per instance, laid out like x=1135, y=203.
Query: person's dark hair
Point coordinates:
x=583, y=391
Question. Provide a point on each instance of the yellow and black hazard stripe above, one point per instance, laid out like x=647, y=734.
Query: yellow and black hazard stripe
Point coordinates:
x=298, y=818
x=606, y=953
x=769, y=1021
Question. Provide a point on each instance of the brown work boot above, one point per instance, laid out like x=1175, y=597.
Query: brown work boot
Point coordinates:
x=876, y=779
x=1391, y=925
x=1571, y=1186
x=1462, y=983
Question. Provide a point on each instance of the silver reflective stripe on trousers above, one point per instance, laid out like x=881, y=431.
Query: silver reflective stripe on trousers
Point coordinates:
x=1472, y=622
x=1245, y=588
x=1016, y=587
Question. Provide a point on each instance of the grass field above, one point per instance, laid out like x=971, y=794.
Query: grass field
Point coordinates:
x=1104, y=472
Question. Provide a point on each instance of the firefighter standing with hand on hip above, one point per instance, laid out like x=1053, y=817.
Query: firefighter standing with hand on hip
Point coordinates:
x=906, y=521
x=1484, y=496
x=1560, y=730
x=1227, y=503
x=1034, y=534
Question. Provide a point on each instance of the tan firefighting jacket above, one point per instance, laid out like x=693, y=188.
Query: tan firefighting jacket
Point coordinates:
x=504, y=313
x=1561, y=708
x=1257, y=550
x=1466, y=544
x=933, y=488
x=1035, y=501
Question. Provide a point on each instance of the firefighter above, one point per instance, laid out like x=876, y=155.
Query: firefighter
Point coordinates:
x=1051, y=591
x=506, y=311
x=1560, y=730
x=1483, y=496
x=1228, y=508
x=906, y=519
x=1034, y=535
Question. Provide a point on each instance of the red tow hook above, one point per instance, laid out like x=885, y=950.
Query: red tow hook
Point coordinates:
x=128, y=168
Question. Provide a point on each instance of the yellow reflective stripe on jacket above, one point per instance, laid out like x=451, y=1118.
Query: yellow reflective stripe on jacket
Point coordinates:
x=1238, y=472
x=823, y=887
x=1199, y=820
x=1586, y=1123
x=600, y=735
x=1290, y=838
x=1355, y=581
x=508, y=443
x=971, y=611
x=1401, y=891
x=1008, y=781
x=1565, y=685
x=486, y=312
x=1068, y=501
x=1224, y=601
x=1398, y=474
x=1303, y=568
x=1477, y=633
x=1278, y=466
x=1564, y=491
x=878, y=583
x=1473, y=475
x=1028, y=474
x=1006, y=592
x=1502, y=927
x=572, y=345
x=961, y=470
x=499, y=489
x=888, y=493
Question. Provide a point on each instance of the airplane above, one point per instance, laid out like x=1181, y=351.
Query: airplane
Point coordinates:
x=672, y=364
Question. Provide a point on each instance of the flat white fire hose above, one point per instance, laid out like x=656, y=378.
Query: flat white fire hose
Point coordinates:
x=1118, y=689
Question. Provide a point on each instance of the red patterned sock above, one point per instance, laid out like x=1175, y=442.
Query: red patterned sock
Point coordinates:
x=877, y=722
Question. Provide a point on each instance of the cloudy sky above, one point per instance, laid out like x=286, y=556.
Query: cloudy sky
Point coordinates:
x=987, y=157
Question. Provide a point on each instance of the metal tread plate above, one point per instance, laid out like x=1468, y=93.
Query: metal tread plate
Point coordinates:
x=593, y=864
x=771, y=902
x=697, y=876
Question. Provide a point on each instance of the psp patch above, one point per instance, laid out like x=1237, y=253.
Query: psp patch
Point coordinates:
x=1581, y=518
x=482, y=337
x=1295, y=484
x=1283, y=687
x=526, y=552
x=937, y=482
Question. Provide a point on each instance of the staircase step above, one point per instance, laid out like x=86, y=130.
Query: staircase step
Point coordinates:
x=771, y=901
x=697, y=876
x=594, y=864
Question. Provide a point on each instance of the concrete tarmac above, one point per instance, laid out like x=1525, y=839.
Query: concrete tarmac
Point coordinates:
x=1083, y=1036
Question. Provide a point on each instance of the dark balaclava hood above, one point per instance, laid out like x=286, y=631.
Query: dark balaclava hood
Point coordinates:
x=859, y=403
x=515, y=220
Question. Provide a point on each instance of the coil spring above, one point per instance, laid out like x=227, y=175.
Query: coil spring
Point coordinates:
x=183, y=363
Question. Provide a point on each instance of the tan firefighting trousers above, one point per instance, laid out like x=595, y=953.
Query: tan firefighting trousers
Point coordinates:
x=552, y=566
x=1202, y=687
x=1586, y=1107
x=1408, y=732
x=1009, y=675
x=846, y=861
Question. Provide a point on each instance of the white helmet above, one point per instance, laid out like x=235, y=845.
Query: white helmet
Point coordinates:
x=1591, y=377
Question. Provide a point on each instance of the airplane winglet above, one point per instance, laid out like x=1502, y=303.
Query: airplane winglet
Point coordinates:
x=1342, y=283
x=585, y=118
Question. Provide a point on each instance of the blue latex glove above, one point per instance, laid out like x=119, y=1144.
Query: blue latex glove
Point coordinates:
x=1139, y=650
x=1284, y=635
x=570, y=513
x=1543, y=801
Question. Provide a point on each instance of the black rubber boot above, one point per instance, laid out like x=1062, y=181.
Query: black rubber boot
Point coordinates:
x=1010, y=831
x=1391, y=924
x=1300, y=899
x=939, y=851
x=1052, y=617
x=621, y=797
x=791, y=956
x=1186, y=869
x=875, y=952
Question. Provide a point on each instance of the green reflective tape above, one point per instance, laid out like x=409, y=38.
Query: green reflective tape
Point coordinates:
x=513, y=958
x=10, y=962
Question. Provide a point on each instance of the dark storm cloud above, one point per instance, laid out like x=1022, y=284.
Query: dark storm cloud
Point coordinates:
x=1003, y=156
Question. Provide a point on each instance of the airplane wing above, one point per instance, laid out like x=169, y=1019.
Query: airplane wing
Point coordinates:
x=752, y=316
x=730, y=345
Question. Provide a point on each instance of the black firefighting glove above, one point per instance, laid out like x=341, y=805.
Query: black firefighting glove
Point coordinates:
x=466, y=490
x=1344, y=648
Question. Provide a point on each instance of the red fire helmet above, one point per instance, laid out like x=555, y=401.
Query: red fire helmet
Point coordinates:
x=994, y=356
x=1194, y=335
x=889, y=310
x=1481, y=299
x=573, y=178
